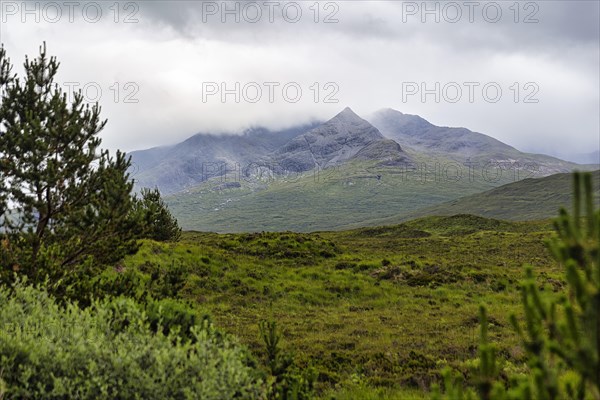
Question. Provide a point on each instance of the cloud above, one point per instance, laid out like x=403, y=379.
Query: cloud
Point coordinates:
x=364, y=60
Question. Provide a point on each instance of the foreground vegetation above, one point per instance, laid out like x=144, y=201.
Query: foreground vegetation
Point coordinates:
x=383, y=307
x=561, y=332
x=109, y=350
x=376, y=312
x=385, y=310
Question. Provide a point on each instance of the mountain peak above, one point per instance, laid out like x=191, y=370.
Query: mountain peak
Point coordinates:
x=348, y=123
x=336, y=141
x=347, y=113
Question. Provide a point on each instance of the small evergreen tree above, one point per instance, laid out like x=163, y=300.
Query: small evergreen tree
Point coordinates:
x=158, y=222
x=69, y=200
x=287, y=382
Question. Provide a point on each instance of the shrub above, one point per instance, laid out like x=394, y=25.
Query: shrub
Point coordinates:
x=109, y=351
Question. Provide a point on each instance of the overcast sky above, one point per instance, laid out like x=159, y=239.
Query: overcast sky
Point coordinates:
x=161, y=66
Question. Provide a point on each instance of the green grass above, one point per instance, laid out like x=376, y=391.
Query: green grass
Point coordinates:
x=529, y=199
x=358, y=391
x=376, y=310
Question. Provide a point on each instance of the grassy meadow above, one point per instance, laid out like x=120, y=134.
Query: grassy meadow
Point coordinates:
x=377, y=311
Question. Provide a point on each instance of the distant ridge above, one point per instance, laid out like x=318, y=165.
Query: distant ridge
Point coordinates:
x=528, y=199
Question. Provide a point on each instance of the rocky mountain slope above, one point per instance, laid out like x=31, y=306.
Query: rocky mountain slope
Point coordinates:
x=343, y=138
x=202, y=156
x=460, y=144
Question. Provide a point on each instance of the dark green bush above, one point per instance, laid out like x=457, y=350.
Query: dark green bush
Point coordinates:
x=158, y=222
x=152, y=279
x=345, y=265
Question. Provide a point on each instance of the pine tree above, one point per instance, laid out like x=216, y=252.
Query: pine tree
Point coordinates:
x=69, y=200
x=158, y=222
x=6, y=79
x=287, y=381
x=563, y=334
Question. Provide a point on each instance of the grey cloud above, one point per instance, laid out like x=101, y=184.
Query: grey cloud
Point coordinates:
x=560, y=22
x=369, y=53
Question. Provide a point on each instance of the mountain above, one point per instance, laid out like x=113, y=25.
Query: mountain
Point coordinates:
x=343, y=138
x=346, y=172
x=460, y=144
x=528, y=199
x=202, y=156
x=391, y=138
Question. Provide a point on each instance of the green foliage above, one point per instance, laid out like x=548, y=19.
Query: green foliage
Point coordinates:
x=166, y=315
x=486, y=372
x=569, y=340
x=153, y=279
x=560, y=334
x=302, y=248
x=488, y=368
x=109, y=351
x=288, y=383
x=69, y=199
x=158, y=223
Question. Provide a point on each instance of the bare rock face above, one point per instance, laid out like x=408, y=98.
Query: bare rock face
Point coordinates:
x=387, y=152
x=338, y=140
x=461, y=144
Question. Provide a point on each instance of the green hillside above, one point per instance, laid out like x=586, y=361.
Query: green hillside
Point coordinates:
x=356, y=194
x=526, y=200
x=373, y=309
